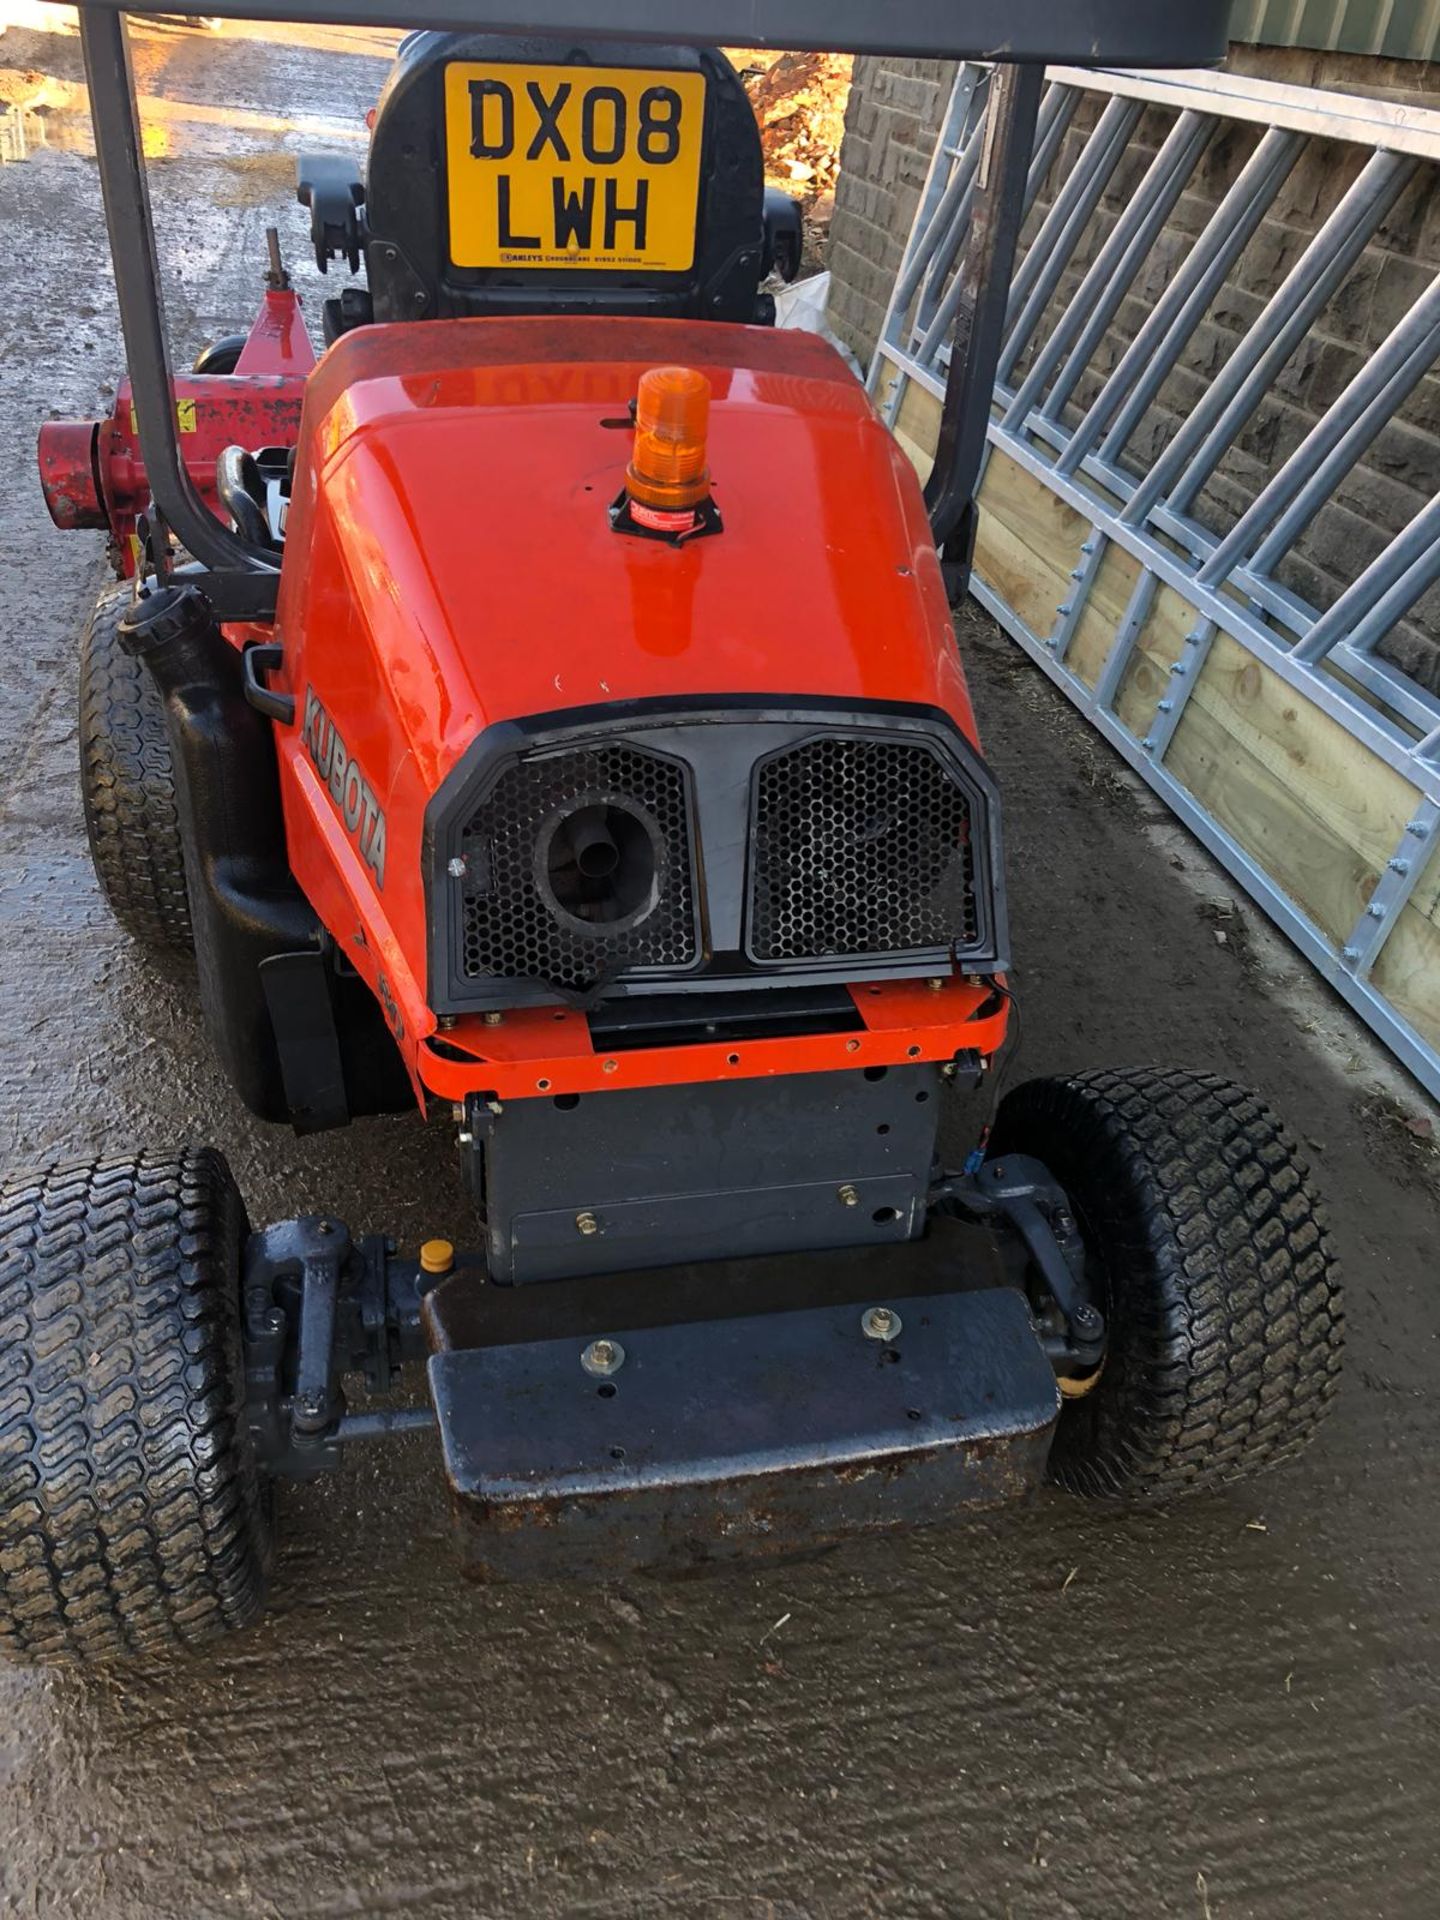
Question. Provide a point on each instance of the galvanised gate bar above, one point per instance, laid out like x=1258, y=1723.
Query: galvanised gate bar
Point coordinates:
x=1319, y=789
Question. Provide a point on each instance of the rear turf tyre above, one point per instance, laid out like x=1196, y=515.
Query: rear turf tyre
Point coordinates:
x=127, y=783
x=1215, y=1275
x=132, y=1515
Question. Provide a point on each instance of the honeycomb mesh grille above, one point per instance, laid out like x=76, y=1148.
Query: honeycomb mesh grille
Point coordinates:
x=511, y=931
x=861, y=846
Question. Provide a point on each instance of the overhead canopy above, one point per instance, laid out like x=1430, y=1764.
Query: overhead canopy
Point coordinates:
x=1108, y=33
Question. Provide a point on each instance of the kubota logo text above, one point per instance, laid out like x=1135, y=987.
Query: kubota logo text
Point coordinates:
x=352, y=793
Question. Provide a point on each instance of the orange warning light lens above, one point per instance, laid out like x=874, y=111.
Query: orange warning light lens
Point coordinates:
x=667, y=468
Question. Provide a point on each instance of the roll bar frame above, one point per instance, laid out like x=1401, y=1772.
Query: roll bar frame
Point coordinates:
x=1020, y=36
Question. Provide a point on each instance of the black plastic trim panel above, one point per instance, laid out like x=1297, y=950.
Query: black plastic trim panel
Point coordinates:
x=755, y=726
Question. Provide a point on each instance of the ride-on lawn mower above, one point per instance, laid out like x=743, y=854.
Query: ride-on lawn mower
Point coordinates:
x=545, y=706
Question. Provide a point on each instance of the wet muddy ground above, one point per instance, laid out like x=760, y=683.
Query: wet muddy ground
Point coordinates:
x=1231, y=1710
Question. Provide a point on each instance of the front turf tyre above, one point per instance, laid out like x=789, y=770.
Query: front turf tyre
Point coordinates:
x=127, y=784
x=132, y=1516
x=1213, y=1269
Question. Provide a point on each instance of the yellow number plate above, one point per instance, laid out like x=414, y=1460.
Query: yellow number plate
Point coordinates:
x=573, y=166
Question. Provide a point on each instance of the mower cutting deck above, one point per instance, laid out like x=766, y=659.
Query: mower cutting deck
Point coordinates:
x=446, y=714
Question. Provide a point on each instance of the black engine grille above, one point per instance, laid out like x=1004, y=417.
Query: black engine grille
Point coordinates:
x=511, y=928
x=860, y=846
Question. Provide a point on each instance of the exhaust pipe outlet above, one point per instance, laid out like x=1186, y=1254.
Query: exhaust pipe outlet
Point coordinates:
x=592, y=844
x=245, y=906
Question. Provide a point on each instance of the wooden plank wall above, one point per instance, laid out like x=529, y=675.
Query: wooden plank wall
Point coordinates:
x=1316, y=810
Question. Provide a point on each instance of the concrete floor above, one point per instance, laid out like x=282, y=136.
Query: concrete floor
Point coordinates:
x=1226, y=1711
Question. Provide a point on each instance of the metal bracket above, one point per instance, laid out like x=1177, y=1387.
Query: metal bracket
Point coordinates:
x=1024, y=1194
x=322, y=1248
x=330, y=185
x=255, y=662
x=316, y=1306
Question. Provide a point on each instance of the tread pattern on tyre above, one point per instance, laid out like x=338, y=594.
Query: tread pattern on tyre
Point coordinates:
x=1226, y=1320
x=127, y=782
x=132, y=1516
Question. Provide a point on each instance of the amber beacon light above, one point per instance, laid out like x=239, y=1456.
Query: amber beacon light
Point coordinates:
x=667, y=483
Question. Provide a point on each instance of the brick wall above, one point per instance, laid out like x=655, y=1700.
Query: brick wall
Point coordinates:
x=894, y=115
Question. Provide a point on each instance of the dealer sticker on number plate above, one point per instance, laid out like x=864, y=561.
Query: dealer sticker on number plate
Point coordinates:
x=573, y=166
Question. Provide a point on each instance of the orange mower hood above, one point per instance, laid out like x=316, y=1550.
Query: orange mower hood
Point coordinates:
x=453, y=489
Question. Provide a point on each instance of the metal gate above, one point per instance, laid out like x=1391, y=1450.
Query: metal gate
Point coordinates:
x=1166, y=597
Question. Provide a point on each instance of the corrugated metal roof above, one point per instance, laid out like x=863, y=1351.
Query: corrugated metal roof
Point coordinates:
x=1403, y=29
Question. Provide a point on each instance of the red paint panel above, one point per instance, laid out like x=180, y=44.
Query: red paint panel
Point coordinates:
x=279, y=341
x=537, y=1052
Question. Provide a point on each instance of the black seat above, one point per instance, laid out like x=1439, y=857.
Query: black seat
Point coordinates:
x=419, y=258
